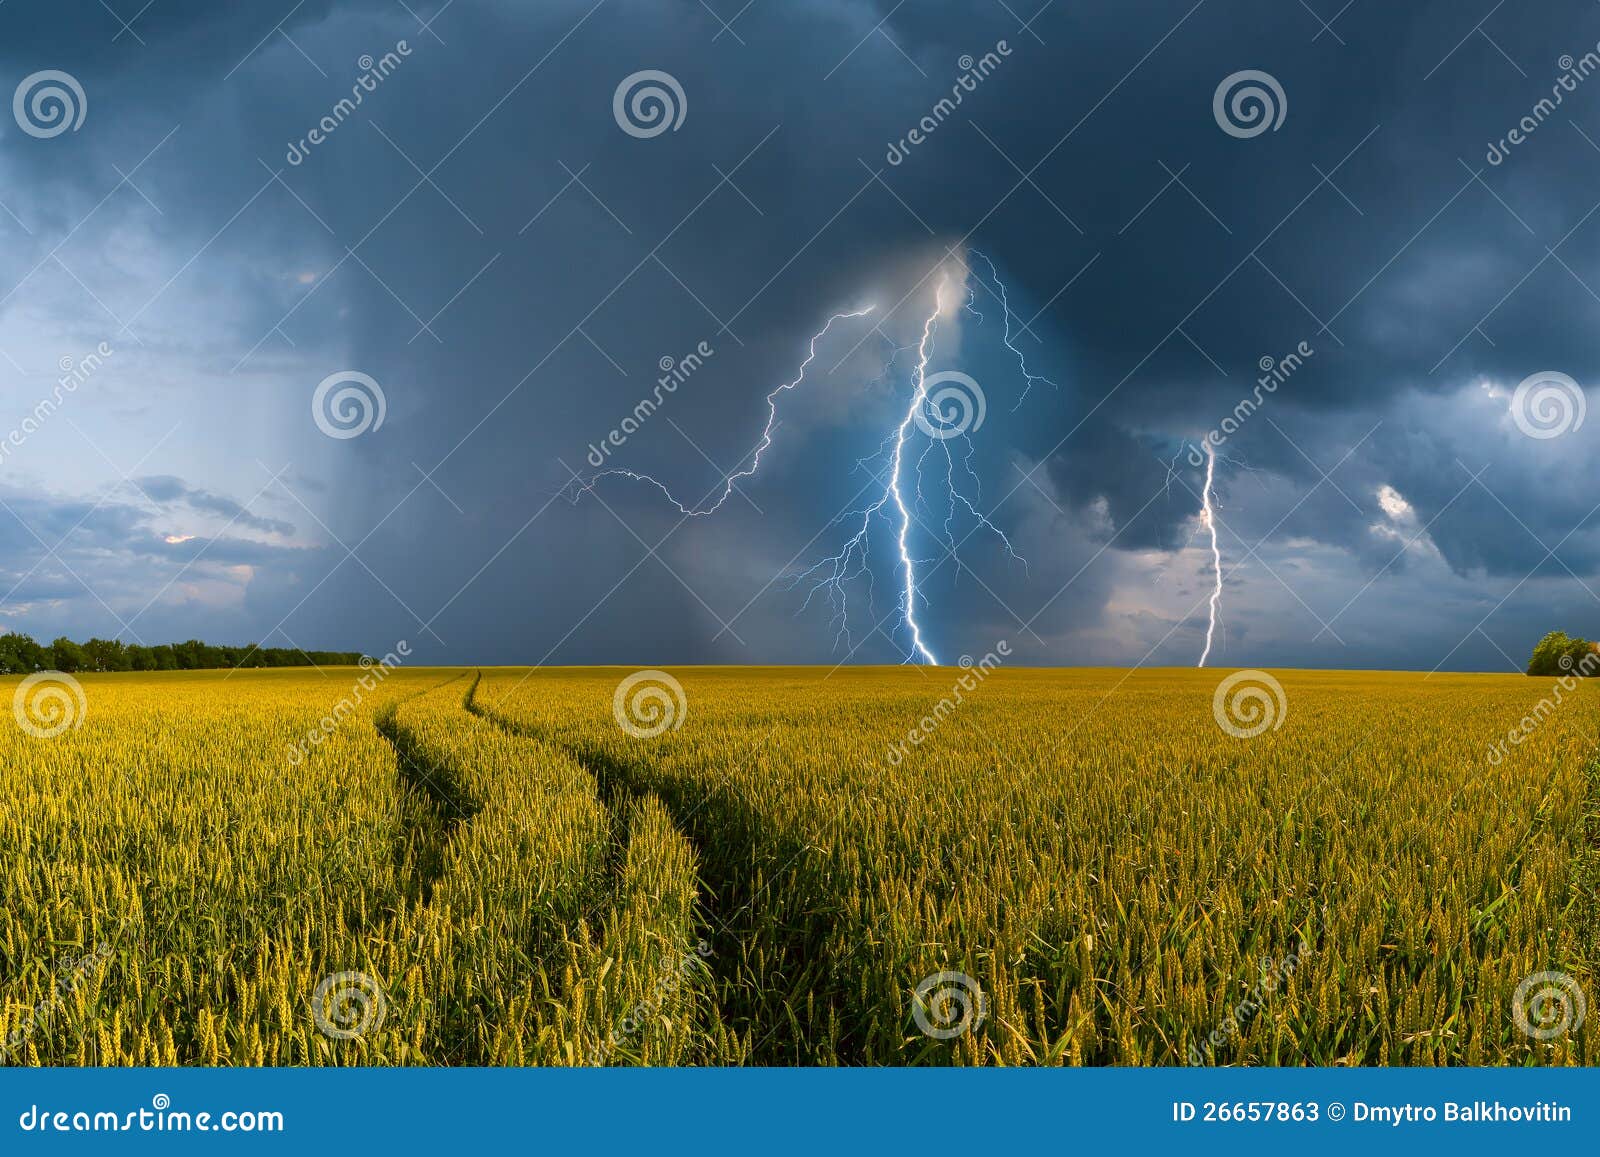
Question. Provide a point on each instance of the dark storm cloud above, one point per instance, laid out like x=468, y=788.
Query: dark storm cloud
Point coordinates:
x=481, y=237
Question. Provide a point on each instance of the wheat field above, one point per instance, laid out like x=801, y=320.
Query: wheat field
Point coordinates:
x=728, y=866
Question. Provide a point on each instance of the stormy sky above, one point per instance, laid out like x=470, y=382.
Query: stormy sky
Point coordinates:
x=506, y=249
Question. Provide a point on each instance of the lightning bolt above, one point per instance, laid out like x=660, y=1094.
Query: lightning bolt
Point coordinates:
x=919, y=398
x=901, y=500
x=1208, y=520
x=1005, y=306
x=852, y=561
x=700, y=508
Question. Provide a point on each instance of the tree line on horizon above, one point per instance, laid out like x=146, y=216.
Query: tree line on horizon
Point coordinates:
x=1560, y=654
x=20, y=655
x=1556, y=654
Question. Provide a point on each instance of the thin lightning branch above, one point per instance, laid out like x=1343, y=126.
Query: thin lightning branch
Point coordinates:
x=1208, y=520
x=1005, y=306
x=700, y=508
x=1172, y=472
x=957, y=498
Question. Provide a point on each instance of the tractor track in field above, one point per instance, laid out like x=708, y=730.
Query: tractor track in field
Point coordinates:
x=434, y=805
x=618, y=788
x=728, y=896
x=614, y=795
x=613, y=785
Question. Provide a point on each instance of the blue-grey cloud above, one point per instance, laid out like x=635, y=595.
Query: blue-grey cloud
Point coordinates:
x=479, y=236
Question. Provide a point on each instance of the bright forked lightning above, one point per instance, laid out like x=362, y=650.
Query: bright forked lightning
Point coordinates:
x=1209, y=521
x=901, y=502
x=832, y=573
x=919, y=398
x=851, y=561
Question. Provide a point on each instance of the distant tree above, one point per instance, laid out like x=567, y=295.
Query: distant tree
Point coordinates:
x=65, y=655
x=107, y=655
x=1560, y=654
x=20, y=655
x=193, y=655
